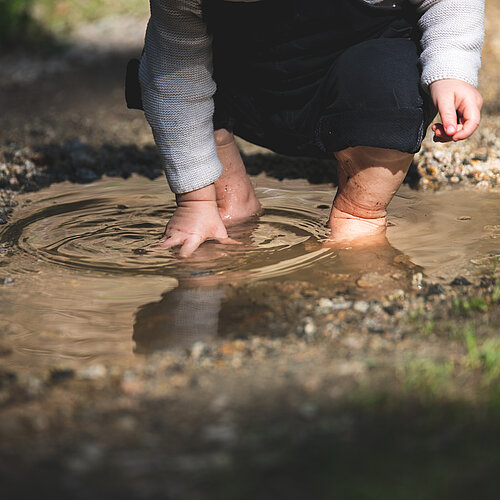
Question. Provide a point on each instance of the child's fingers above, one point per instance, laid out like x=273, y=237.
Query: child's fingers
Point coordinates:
x=229, y=241
x=190, y=245
x=447, y=110
x=170, y=242
x=471, y=117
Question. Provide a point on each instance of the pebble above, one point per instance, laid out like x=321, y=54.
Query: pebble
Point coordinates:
x=310, y=329
x=199, y=350
x=373, y=326
x=361, y=306
x=93, y=372
x=341, y=304
x=397, y=294
x=460, y=281
x=417, y=281
x=6, y=281
x=324, y=306
x=435, y=289
x=61, y=374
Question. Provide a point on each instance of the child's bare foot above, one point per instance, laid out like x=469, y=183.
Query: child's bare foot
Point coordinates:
x=235, y=194
x=368, y=180
x=347, y=230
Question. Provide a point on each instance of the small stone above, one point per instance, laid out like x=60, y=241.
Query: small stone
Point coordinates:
x=460, y=281
x=341, y=304
x=464, y=217
x=396, y=295
x=332, y=331
x=323, y=207
x=61, y=374
x=417, y=281
x=481, y=155
x=324, y=306
x=435, y=289
x=361, y=306
x=6, y=281
x=198, y=350
x=363, y=283
x=140, y=251
x=373, y=326
x=310, y=328
x=121, y=207
x=33, y=385
x=93, y=372
x=391, y=308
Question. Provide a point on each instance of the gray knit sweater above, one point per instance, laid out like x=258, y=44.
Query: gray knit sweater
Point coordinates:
x=177, y=84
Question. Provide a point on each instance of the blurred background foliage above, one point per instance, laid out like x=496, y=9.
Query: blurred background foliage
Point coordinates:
x=31, y=23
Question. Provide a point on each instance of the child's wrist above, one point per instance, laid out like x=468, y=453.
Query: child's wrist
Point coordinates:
x=206, y=194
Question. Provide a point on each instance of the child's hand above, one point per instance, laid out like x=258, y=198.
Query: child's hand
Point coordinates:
x=459, y=105
x=195, y=220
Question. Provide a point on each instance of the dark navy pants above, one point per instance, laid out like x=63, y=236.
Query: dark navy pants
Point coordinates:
x=311, y=78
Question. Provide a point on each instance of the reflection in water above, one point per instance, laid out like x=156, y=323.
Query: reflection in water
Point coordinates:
x=182, y=317
x=79, y=266
x=203, y=308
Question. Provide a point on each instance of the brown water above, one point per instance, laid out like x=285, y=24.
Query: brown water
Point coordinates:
x=88, y=288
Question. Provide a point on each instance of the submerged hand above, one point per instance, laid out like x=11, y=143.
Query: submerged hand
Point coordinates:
x=459, y=105
x=195, y=220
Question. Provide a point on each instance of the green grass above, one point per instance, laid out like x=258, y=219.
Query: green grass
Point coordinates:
x=16, y=22
x=427, y=378
x=484, y=356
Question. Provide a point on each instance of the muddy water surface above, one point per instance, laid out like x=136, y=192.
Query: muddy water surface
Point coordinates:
x=86, y=284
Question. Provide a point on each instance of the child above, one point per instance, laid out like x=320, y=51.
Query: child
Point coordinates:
x=356, y=79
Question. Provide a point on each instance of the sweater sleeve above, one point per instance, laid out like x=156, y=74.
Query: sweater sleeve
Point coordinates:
x=452, y=39
x=177, y=90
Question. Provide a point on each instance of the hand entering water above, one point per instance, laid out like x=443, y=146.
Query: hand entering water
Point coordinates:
x=195, y=220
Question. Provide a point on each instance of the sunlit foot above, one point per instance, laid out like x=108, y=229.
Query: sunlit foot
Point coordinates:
x=235, y=194
x=238, y=205
x=347, y=230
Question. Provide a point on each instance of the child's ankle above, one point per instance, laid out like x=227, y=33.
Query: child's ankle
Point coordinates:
x=376, y=224
x=349, y=229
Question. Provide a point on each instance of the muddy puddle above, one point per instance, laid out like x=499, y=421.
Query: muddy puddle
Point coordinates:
x=81, y=283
